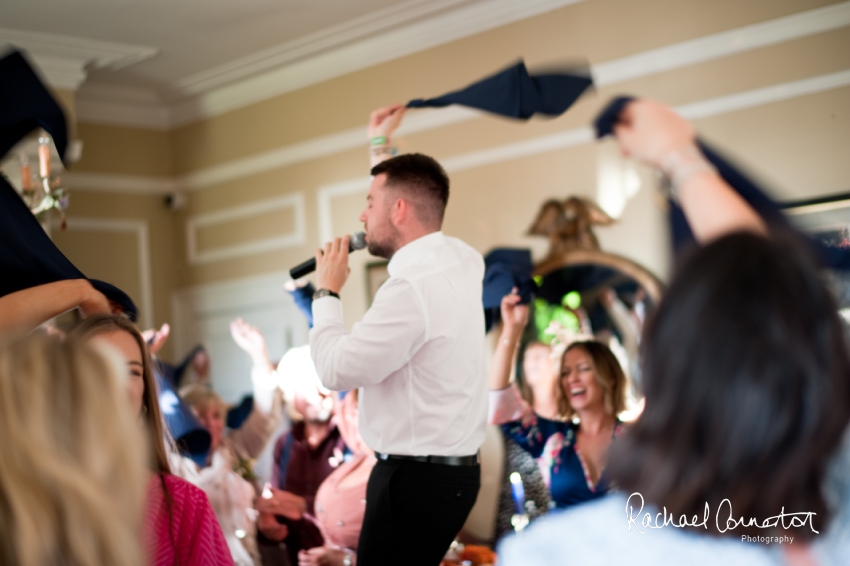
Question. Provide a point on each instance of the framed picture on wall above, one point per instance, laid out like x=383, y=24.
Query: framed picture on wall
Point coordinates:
x=376, y=274
x=827, y=220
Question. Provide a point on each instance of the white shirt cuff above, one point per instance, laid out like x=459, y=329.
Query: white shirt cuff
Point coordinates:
x=327, y=309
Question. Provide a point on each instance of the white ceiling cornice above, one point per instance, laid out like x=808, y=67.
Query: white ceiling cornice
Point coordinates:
x=323, y=56
x=63, y=59
x=310, y=45
x=318, y=57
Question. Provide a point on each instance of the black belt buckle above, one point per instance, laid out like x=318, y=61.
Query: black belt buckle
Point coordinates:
x=472, y=460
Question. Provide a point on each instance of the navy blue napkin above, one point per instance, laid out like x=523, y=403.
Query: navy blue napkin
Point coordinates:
x=192, y=439
x=28, y=258
x=505, y=268
x=25, y=105
x=515, y=93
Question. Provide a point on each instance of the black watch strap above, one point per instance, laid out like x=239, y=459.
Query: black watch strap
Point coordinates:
x=324, y=293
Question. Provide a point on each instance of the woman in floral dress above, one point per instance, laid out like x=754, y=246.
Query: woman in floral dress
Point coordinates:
x=571, y=451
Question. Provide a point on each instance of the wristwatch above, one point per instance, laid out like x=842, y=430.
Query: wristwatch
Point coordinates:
x=324, y=293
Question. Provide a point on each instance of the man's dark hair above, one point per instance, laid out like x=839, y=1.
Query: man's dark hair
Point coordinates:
x=422, y=180
x=745, y=371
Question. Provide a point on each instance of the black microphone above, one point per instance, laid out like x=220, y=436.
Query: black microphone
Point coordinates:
x=357, y=242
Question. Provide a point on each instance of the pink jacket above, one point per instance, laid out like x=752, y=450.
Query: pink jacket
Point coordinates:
x=190, y=534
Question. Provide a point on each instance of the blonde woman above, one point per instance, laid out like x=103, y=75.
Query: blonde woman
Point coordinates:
x=180, y=526
x=229, y=462
x=71, y=475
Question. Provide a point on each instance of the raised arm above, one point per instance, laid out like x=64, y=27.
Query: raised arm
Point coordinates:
x=654, y=134
x=250, y=339
x=514, y=317
x=506, y=404
x=25, y=310
x=382, y=125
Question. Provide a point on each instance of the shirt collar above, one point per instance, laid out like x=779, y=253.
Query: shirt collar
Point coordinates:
x=408, y=254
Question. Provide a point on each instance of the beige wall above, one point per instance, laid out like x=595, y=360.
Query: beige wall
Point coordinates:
x=799, y=146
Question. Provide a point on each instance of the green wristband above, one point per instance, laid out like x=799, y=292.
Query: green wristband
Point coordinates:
x=378, y=140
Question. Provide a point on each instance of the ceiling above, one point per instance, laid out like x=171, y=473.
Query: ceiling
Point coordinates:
x=161, y=64
x=193, y=37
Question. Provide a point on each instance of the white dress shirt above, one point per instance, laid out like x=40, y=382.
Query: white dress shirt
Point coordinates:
x=418, y=353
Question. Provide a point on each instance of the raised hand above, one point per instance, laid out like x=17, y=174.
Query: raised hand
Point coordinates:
x=250, y=339
x=385, y=121
x=514, y=315
x=650, y=131
x=93, y=301
x=156, y=338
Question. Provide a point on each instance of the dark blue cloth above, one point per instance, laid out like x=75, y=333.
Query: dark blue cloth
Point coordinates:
x=25, y=104
x=192, y=439
x=117, y=296
x=178, y=371
x=836, y=258
x=553, y=444
x=515, y=93
x=237, y=415
x=303, y=297
x=28, y=258
x=505, y=268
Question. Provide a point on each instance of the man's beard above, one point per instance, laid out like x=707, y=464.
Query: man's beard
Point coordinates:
x=387, y=247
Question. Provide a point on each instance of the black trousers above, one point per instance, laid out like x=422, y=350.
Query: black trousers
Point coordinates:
x=414, y=510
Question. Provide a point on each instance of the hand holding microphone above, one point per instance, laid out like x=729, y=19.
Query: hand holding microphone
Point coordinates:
x=331, y=263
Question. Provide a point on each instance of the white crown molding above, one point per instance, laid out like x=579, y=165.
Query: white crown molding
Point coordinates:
x=111, y=104
x=763, y=96
x=300, y=68
x=311, y=44
x=112, y=113
x=297, y=237
x=325, y=55
x=140, y=229
x=723, y=44
x=444, y=28
x=63, y=59
x=133, y=184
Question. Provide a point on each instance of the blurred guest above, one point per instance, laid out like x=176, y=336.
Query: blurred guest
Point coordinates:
x=180, y=525
x=745, y=373
x=304, y=457
x=572, y=455
x=539, y=381
x=341, y=499
x=228, y=477
x=71, y=473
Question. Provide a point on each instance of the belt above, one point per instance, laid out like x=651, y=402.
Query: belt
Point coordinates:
x=445, y=460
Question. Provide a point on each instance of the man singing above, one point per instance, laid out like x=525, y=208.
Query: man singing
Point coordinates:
x=418, y=355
